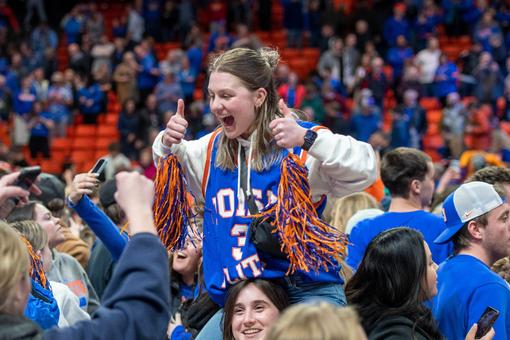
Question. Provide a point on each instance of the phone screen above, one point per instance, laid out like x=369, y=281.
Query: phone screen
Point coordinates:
x=486, y=321
x=98, y=166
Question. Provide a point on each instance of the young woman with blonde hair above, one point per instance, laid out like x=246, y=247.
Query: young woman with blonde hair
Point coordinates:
x=258, y=127
x=14, y=286
x=67, y=303
x=345, y=207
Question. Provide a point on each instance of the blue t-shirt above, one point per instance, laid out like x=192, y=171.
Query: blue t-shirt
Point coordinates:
x=187, y=292
x=39, y=129
x=428, y=224
x=93, y=92
x=449, y=84
x=24, y=102
x=466, y=287
x=72, y=29
x=146, y=80
x=364, y=125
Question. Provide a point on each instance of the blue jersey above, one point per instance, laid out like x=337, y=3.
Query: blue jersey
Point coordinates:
x=431, y=226
x=228, y=254
x=465, y=288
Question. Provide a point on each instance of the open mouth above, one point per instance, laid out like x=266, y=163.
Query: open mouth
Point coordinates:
x=251, y=331
x=181, y=255
x=228, y=121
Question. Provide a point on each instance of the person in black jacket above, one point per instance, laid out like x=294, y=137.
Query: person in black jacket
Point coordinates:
x=396, y=276
x=135, y=303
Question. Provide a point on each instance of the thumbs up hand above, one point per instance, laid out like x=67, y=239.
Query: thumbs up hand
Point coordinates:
x=286, y=131
x=176, y=126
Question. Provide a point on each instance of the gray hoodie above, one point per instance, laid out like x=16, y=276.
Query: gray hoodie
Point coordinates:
x=67, y=270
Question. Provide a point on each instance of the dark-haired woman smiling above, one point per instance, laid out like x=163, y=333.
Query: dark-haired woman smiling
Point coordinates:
x=396, y=276
x=251, y=308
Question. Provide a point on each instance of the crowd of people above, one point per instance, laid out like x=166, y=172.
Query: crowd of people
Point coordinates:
x=278, y=210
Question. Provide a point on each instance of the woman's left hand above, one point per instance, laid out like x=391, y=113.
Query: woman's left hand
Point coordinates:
x=286, y=131
x=174, y=322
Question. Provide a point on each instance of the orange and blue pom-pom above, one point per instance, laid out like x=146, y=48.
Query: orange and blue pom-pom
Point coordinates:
x=308, y=242
x=36, y=265
x=173, y=214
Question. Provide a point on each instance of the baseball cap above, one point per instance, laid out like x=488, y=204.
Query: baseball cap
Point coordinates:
x=469, y=201
x=51, y=188
x=107, y=192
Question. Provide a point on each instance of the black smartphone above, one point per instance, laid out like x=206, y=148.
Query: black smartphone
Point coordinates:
x=99, y=168
x=486, y=322
x=26, y=178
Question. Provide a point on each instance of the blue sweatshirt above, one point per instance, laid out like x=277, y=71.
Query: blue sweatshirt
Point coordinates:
x=428, y=224
x=23, y=102
x=39, y=129
x=146, y=80
x=448, y=85
x=101, y=225
x=92, y=92
x=135, y=303
x=230, y=256
x=466, y=287
x=72, y=28
x=393, y=28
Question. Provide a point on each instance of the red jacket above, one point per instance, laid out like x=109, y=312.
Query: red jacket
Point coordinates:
x=300, y=92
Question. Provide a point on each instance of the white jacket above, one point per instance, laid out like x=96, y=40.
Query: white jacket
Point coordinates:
x=337, y=165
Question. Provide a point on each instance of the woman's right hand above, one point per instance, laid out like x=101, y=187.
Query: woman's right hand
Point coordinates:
x=176, y=126
x=472, y=332
x=83, y=184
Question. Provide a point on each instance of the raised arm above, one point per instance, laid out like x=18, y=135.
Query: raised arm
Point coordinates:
x=95, y=218
x=191, y=154
x=135, y=303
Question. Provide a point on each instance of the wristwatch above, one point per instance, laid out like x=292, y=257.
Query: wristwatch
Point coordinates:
x=309, y=138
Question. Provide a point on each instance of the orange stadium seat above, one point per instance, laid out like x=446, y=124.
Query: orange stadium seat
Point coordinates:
x=312, y=52
x=80, y=156
x=110, y=131
x=60, y=144
x=300, y=66
x=100, y=153
x=433, y=141
x=111, y=118
x=59, y=156
x=51, y=166
x=434, y=116
x=83, y=143
x=433, y=129
x=104, y=142
x=288, y=54
x=430, y=103
x=85, y=131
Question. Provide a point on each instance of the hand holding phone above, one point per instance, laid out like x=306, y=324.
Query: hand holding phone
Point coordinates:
x=11, y=193
x=99, y=168
x=26, y=178
x=83, y=184
x=486, y=322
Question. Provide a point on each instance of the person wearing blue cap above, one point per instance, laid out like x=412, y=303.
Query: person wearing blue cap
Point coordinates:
x=477, y=219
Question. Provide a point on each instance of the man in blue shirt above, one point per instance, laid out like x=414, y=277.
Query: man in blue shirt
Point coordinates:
x=409, y=176
x=477, y=220
x=500, y=176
